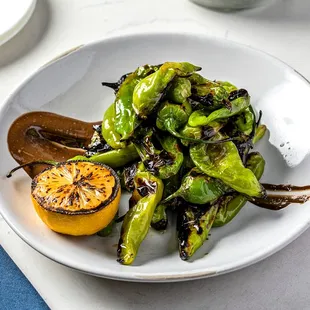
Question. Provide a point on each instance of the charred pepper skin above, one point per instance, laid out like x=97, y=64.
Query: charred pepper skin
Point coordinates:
x=179, y=90
x=138, y=218
x=108, y=131
x=115, y=158
x=194, y=225
x=230, y=206
x=125, y=116
x=239, y=99
x=171, y=117
x=160, y=218
x=150, y=90
x=199, y=188
x=223, y=161
x=163, y=163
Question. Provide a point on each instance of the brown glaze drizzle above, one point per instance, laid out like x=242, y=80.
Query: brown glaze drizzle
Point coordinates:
x=280, y=201
x=47, y=136
x=285, y=187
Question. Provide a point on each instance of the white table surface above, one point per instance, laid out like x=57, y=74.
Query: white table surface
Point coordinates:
x=283, y=30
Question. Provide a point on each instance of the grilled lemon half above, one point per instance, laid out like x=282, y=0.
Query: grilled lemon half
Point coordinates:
x=76, y=197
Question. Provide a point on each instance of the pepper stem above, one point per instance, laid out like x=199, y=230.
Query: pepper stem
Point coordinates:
x=114, y=86
x=174, y=195
x=32, y=163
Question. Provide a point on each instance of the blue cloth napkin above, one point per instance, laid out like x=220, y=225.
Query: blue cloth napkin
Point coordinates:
x=16, y=292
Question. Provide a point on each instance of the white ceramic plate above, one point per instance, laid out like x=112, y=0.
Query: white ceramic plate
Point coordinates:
x=14, y=14
x=71, y=85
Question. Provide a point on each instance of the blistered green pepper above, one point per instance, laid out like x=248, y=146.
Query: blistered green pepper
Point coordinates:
x=230, y=205
x=187, y=164
x=243, y=126
x=163, y=163
x=108, y=131
x=160, y=218
x=125, y=116
x=143, y=141
x=245, y=121
x=171, y=117
x=223, y=161
x=179, y=90
x=246, y=128
x=198, y=188
x=138, y=218
x=171, y=185
x=197, y=79
x=200, y=132
x=193, y=226
x=149, y=90
x=171, y=146
x=114, y=158
x=127, y=175
x=228, y=86
x=259, y=133
x=209, y=96
x=239, y=100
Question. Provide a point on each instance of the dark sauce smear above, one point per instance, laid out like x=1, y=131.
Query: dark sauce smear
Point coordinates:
x=279, y=201
x=38, y=136
x=285, y=187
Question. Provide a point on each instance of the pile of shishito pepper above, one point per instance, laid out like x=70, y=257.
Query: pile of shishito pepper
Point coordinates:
x=181, y=142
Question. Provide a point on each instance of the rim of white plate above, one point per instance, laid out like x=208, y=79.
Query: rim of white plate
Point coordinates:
x=155, y=277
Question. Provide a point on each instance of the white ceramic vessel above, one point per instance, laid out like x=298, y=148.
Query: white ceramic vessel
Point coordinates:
x=14, y=15
x=232, y=4
x=71, y=85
